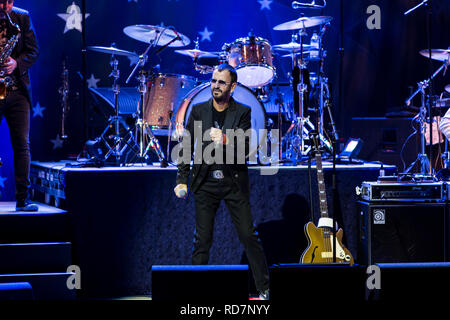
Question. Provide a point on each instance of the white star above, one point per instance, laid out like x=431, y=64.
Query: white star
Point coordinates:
x=72, y=17
x=2, y=182
x=206, y=34
x=57, y=143
x=265, y=4
x=92, y=81
x=37, y=110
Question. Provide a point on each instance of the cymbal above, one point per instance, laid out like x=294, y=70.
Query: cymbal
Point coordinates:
x=436, y=54
x=306, y=56
x=290, y=47
x=113, y=50
x=447, y=88
x=195, y=53
x=149, y=34
x=303, y=22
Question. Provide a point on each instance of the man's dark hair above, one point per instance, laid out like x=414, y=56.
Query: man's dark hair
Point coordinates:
x=230, y=69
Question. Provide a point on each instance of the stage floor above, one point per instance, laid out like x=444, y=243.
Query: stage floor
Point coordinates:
x=126, y=219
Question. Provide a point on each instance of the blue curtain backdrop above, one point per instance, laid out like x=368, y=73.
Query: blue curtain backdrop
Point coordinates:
x=378, y=68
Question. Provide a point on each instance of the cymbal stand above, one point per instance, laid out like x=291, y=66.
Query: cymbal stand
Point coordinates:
x=425, y=166
x=144, y=134
x=323, y=94
x=296, y=133
x=64, y=92
x=301, y=88
x=116, y=149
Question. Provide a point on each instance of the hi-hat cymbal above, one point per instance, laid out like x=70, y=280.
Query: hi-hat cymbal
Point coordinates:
x=306, y=56
x=447, y=88
x=303, y=22
x=436, y=54
x=149, y=34
x=195, y=53
x=112, y=50
x=290, y=47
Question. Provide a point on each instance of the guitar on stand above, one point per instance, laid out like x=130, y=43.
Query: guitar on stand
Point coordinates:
x=321, y=242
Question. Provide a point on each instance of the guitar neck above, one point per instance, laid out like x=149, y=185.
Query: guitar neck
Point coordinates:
x=322, y=188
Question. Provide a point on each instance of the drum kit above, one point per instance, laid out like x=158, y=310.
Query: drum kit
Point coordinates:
x=166, y=99
x=425, y=114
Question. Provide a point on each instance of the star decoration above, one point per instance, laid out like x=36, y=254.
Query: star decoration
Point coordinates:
x=92, y=81
x=2, y=182
x=72, y=17
x=37, y=110
x=265, y=4
x=206, y=34
x=57, y=143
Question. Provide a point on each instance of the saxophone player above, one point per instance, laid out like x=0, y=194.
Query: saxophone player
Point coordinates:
x=15, y=24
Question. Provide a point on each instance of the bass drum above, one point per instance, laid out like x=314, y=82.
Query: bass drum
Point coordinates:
x=241, y=94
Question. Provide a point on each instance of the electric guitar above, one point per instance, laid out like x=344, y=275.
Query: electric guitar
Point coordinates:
x=320, y=238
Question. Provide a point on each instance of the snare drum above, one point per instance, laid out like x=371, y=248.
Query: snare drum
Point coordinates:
x=241, y=94
x=164, y=94
x=252, y=58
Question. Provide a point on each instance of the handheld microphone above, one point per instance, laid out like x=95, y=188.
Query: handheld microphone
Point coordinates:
x=216, y=125
x=182, y=193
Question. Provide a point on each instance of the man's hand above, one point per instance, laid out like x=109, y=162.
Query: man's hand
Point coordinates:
x=9, y=66
x=217, y=136
x=181, y=191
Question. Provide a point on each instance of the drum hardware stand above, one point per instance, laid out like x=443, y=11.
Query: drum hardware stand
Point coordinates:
x=115, y=149
x=425, y=166
x=169, y=135
x=64, y=92
x=322, y=85
x=200, y=68
x=295, y=134
x=300, y=130
x=143, y=130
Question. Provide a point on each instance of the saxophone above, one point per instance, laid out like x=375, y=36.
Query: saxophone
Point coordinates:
x=5, y=53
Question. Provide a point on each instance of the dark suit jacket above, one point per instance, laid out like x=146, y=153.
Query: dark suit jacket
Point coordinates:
x=238, y=117
x=26, y=51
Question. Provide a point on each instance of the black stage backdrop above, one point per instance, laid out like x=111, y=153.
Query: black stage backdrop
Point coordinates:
x=379, y=64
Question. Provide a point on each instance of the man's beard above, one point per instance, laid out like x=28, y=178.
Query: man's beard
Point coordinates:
x=222, y=98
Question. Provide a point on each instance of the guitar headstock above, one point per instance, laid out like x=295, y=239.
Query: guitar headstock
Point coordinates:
x=314, y=137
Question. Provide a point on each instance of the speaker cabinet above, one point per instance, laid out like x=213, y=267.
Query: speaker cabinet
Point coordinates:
x=424, y=283
x=295, y=285
x=383, y=140
x=192, y=283
x=402, y=232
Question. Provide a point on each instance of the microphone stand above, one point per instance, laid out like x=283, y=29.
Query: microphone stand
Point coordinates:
x=426, y=164
x=83, y=71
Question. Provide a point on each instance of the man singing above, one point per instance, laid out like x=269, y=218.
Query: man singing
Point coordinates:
x=212, y=183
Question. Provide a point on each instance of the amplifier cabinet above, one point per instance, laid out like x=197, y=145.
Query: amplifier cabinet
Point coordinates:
x=410, y=191
x=402, y=232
